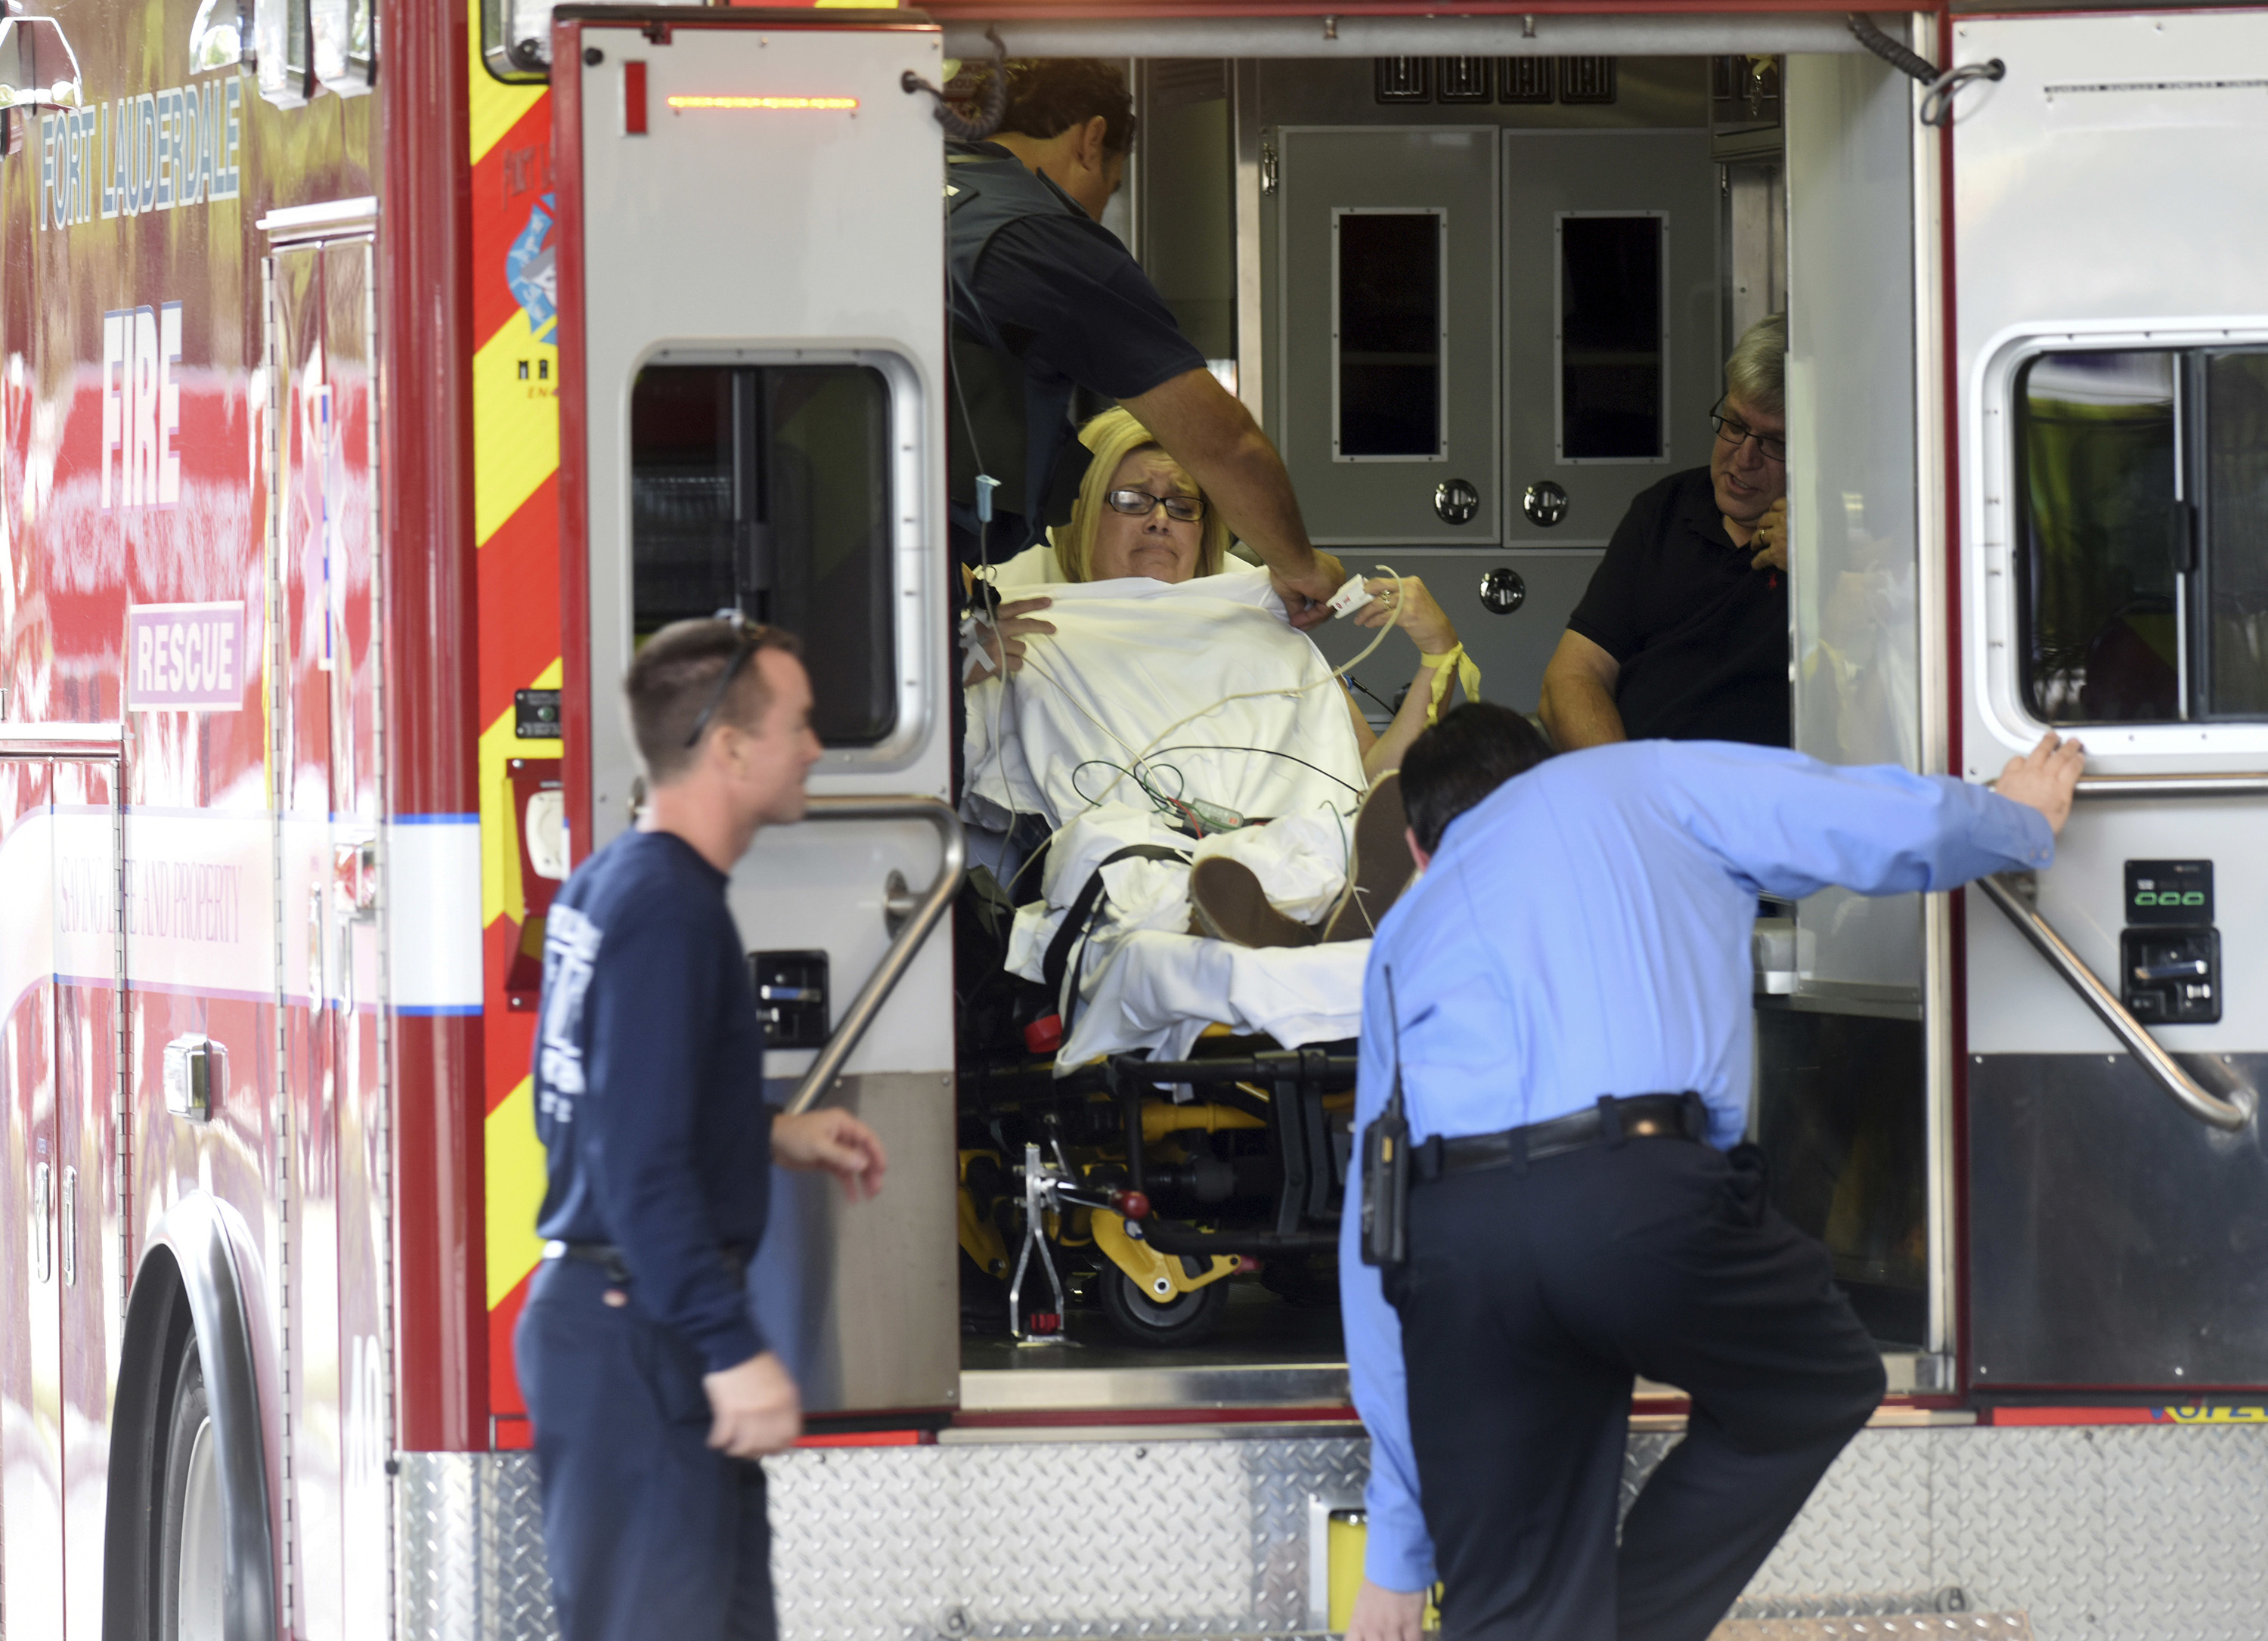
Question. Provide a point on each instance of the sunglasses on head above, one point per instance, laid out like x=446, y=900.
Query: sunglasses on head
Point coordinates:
x=1142, y=503
x=752, y=638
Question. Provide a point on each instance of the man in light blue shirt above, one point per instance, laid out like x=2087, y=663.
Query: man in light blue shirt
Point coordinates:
x=1573, y=1029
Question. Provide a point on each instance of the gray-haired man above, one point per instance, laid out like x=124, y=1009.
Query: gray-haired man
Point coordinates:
x=1682, y=633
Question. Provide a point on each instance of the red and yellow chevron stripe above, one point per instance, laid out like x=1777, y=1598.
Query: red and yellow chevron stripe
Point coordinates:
x=515, y=373
x=515, y=368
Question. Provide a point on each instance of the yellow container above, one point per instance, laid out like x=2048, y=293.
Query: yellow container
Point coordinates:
x=1350, y=1535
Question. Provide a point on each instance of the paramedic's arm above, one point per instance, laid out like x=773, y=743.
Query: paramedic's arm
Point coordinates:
x=1213, y=435
x=1398, y=1553
x=1791, y=825
x=1421, y=615
x=651, y=1002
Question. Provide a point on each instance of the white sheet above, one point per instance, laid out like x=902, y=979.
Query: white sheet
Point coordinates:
x=1300, y=861
x=1159, y=991
x=1131, y=659
x=1145, y=982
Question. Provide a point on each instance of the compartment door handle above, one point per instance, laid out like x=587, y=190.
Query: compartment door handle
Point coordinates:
x=71, y=1227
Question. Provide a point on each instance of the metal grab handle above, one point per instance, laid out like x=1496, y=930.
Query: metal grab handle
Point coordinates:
x=908, y=936
x=2232, y=1113
x=2242, y=785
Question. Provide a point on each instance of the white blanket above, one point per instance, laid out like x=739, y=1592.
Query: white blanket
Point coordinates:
x=1159, y=991
x=1144, y=982
x=1130, y=660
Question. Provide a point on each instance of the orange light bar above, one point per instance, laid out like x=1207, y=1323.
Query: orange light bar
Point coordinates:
x=763, y=102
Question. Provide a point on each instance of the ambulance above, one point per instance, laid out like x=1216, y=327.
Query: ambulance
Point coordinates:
x=373, y=378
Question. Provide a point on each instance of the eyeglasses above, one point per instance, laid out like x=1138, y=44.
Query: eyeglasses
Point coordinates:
x=1736, y=432
x=752, y=639
x=1142, y=503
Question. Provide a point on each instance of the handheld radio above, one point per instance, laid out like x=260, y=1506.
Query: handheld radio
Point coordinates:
x=1386, y=1166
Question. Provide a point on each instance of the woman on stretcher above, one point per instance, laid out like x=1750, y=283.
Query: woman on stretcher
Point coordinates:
x=1146, y=675
x=1140, y=514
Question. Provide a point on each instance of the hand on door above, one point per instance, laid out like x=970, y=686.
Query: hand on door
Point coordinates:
x=2045, y=778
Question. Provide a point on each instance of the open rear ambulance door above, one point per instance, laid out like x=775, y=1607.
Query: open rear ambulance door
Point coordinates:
x=751, y=400
x=2112, y=374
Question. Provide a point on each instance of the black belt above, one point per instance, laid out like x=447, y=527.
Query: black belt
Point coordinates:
x=732, y=1255
x=1609, y=1122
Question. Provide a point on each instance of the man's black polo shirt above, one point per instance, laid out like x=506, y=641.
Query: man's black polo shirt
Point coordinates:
x=1702, y=638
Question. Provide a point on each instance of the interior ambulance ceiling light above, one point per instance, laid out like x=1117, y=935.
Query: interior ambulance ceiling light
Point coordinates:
x=763, y=102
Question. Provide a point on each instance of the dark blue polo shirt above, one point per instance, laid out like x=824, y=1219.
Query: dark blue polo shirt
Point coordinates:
x=649, y=1085
x=1076, y=306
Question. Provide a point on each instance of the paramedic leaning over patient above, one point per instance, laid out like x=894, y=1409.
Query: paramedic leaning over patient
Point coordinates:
x=1045, y=300
x=1139, y=513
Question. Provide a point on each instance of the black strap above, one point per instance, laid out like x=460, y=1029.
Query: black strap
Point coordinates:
x=1081, y=913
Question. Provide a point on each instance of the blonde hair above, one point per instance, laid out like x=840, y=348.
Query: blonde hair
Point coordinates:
x=1112, y=437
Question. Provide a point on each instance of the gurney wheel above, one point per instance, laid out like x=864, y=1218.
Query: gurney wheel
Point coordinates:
x=1184, y=1319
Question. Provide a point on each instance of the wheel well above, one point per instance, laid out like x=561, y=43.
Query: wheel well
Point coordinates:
x=187, y=1296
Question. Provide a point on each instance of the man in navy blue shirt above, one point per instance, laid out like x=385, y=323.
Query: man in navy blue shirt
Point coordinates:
x=1045, y=300
x=1570, y=1008
x=650, y=1389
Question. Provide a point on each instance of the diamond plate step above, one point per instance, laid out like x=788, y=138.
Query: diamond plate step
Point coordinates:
x=1918, y=1627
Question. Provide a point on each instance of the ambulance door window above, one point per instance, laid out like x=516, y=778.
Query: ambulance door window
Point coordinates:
x=1612, y=339
x=2142, y=535
x=766, y=488
x=2098, y=519
x=2234, y=597
x=1388, y=383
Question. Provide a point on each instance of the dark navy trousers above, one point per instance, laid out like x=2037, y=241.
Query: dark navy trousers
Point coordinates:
x=1530, y=1300
x=647, y=1530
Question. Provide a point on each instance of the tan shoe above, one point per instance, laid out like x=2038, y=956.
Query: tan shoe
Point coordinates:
x=1378, y=866
x=1230, y=905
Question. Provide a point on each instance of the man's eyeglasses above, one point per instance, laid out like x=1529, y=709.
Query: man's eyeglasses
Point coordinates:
x=1737, y=432
x=752, y=638
x=1142, y=503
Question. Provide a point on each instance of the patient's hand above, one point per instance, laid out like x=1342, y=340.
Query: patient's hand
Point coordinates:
x=1417, y=612
x=1011, y=624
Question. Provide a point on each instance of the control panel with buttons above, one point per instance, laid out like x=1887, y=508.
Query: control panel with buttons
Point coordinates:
x=2169, y=952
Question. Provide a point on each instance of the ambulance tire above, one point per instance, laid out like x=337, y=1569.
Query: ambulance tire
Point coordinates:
x=192, y=1539
x=1186, y=1318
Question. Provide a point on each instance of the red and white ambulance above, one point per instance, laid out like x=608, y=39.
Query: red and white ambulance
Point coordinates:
x=372, y=378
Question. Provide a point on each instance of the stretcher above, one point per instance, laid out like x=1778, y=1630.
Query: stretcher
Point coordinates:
x=1159, y=1111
